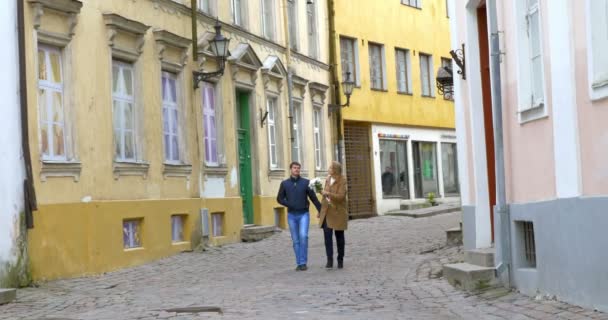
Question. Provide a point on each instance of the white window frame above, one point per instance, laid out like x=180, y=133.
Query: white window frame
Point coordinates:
x=268, y=17
x=313, y=33
x=318, y=135
x=412, y=3
x=50, y=88
x=210, y=4
x=239, y=12
x=207, y=112
x=177, y=228
x=597, y=39
x=530, y=108
x=404, y=71
x=292, y=5
x=125, y=98
x=129, y=229
x=272, y=104
x=381, y=64
x=297, y=130
x=350, y=44
x=217, y=224
x=430, y=75
x=172, y=108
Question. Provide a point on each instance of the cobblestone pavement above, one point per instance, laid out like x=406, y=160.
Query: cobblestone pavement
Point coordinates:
x=392, y=271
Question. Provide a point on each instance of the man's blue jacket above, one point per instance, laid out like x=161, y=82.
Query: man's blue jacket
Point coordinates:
x=294, y=194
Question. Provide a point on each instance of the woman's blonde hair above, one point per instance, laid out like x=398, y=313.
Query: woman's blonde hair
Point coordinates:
x=337, y=167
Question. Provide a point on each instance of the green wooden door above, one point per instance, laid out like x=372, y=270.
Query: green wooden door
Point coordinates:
x=244, y=143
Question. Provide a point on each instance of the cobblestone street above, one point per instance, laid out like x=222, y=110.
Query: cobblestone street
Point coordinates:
x=392, y=271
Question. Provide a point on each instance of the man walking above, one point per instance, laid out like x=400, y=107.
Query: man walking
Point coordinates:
x=294, y=194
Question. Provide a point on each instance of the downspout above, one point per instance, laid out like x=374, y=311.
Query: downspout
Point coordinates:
x=194, y=30
x=501, y=211
x=334, y=81
x=28, y=184
x=289, y=74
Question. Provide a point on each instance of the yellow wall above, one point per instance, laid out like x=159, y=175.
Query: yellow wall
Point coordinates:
x=396, y=26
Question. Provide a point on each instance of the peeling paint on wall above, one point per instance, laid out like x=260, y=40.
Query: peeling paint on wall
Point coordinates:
x=233, y=178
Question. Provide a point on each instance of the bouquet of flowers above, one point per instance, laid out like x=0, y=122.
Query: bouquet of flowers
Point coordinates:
x=316, y=185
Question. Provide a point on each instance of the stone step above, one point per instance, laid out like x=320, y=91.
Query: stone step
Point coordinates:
x=469, y=277
x=7, y=295
x=480, y=257
x=414, y=206
x=251, y=233
x=454, y=236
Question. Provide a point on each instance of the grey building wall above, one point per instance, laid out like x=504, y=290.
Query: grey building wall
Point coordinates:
x=571, y=237
x=468, y=227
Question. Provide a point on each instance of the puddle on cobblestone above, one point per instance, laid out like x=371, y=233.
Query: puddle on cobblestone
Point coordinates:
x=196, y=309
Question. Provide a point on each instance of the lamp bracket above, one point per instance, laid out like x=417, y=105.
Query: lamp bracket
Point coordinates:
x=459, y=59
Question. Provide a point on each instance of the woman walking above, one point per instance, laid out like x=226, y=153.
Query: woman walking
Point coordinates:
x=334, y=214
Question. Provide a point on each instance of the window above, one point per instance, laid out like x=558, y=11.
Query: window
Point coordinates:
x=206, y=6
x=311, y=20
x=123, y=111
x=376, y=66
x=239, y=12
x=297, y=132
x=598, y=59
x=51, y=104
x=268, y=18
x=404, y=82
x=131, y=233
x=412, y=3
x=445, y=62
x=318, y=136
x=531, y=80
x=393, y=163
x=210, y=124
x=171, y=115
x=177, y=228
x=293, y=23
x=426, y=75
x=349, y=57
x=525, y=244
x=449, y=165
x=217, y=224
x=272, y=132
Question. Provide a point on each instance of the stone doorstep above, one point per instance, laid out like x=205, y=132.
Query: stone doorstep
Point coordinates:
x=7, y=295
x=251, y=233
x=453, y=236
x=426, y=212
x=483, y=257
x=414, y=206
x=469, y=277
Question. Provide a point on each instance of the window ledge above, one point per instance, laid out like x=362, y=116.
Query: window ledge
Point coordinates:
x=276, y=173
x=135, y=249
x=413, y=7
x=599, y=90
x=321, y=173
x=429, y=97
x=304, y=173
x=404, y=93
x=177, y=170
x=123, y=168
x=218, y=171
x=535, y=113
x=379, y=90
x=60, y=169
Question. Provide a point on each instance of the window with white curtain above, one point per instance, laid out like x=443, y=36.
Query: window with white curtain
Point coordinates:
x=404, y=81
x=272, y=132
x=376, y=68
x=598, y=59
x=124, y=113
x=348, y=55
x=268, y=19
x=426, y=75
x=318, y=138
x=171, y=117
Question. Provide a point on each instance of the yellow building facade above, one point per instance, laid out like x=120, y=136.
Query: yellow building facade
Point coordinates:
x=392, y=50
x=131, y=162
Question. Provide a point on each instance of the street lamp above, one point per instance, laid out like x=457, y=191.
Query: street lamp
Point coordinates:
x=219, y=48
x=347, y=87
x=445, y=81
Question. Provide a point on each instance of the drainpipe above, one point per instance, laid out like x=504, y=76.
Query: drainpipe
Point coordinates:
x=501, y=211
x=334, y=81
x=28, y=184
x=289, y=74
x=194, y=19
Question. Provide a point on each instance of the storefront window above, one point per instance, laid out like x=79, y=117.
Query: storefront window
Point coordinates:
x=449, y=164
x=425, y=167
x=393, y=166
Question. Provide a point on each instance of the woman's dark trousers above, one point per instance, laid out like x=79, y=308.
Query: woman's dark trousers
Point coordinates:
x=329, y=246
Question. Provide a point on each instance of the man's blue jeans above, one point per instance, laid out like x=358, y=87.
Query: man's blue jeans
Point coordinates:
x=298, y=226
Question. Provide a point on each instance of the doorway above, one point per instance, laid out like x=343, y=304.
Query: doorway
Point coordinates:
x=244, y=152
x=425, y=168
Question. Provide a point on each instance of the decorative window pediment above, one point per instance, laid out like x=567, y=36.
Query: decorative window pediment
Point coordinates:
x=55, y=20
x=172, y=50
x=125, y=37
x=244, y=63
x=317, y=92
x=273, y=73
x=299, y=86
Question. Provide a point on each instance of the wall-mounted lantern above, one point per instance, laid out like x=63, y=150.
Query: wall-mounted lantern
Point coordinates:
x=459, y=59
x=219, y=48
x=347, y=88
x=445, y=81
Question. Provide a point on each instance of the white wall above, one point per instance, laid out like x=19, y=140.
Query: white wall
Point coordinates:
x=11, y=165
x=415, y=134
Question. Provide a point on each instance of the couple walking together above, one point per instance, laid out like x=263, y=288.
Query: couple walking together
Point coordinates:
x=294, y=193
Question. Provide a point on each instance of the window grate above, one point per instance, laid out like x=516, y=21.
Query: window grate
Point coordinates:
x=529, y=244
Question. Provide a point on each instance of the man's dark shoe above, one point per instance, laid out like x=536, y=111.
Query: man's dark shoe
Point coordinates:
x=303, y=267
x=330, y=263
x=299, y=268
x=340, y=264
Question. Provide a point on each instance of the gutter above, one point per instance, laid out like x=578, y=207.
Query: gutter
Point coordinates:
x=28, y=184
x=292, y=137
x=501, y=211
